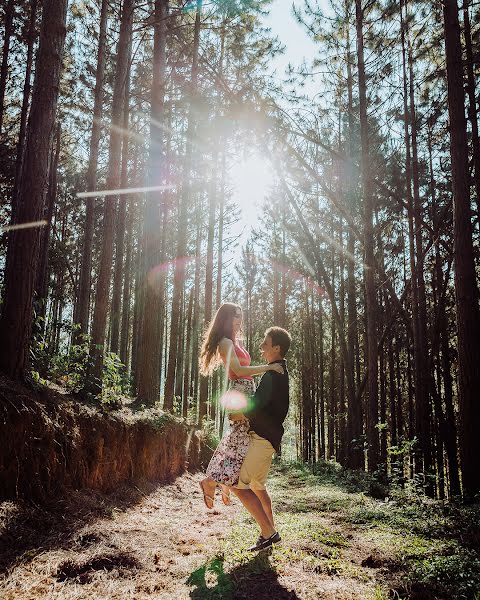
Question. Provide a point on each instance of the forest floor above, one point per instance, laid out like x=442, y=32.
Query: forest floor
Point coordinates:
x=161, y=542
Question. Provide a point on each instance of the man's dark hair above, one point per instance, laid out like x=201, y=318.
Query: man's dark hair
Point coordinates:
x=280, y=337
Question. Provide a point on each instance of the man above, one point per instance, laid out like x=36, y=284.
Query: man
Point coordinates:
x=266, y=415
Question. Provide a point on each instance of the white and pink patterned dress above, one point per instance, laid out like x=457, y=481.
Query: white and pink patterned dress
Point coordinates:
x=226, y=462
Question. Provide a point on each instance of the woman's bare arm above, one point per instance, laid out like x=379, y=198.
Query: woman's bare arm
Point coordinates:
x=230, y=360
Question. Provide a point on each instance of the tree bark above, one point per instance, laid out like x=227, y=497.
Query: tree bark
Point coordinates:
x=332, y=404
x=84, y=290
x=8, y=30
x=149, y=366
x=179, y=276
x=209, y=268
x=423, y=376
x=42, y=272
x=355, y=455
x=189, y=352
x=25, y=103
x=23, y=247
x=127, y=289
x=195, y=375
x=466, y=291
x=444, y=349
x=472, y=102
x=138, y=310
x=370, y=295
x=121, y=220
x=94, y=377
x=127, y=282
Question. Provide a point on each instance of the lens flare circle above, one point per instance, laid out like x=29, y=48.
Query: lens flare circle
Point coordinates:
x=153, y=276
x=234, y=400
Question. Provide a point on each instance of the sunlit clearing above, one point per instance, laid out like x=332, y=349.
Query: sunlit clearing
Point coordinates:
x=23, y=226
x=122, y=191
x=251, y=180
x=233, y=400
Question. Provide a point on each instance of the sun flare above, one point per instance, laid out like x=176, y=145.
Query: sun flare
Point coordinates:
x=252, y=179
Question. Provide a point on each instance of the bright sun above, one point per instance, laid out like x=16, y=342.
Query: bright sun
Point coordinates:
x=251, y=180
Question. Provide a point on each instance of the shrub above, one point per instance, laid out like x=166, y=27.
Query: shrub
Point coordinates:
x=458, y=574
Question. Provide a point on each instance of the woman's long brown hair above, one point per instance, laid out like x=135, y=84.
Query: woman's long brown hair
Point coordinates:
x=220, y=326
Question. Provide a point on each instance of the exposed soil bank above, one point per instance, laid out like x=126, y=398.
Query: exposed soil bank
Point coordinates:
x=50, y=441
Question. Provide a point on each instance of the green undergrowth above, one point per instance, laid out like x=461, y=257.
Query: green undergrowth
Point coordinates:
x=405, y=546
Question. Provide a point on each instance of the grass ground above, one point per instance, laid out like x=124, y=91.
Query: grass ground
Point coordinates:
x=160, y=542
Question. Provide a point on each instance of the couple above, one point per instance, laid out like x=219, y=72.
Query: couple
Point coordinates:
x=242, y=459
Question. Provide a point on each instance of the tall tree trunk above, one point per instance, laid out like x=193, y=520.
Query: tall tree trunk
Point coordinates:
x=22, y=253
x=466, y=290
x=422, y=384
x=127, y=288
x=444, y=348
x=342, y=441
x=309, y=387
x=218, y=295
x=209, y=270
x=370, y=295
x=180, y=353
x=321, y=382
x=332, y=412
x=194, y=384
x=25, y=103
x=188, y=352
x=418, y=360
x=84, y=290
x=139, y=301
x=382, y=302
x=42, y=272
x=7, y=34
x=94, y=377
x=392, y=395
x=121, y=219
x=355, y=455
x=399, y=407
x=472, y=102
x=127, y=283
x=149, y=366
x=179, y=276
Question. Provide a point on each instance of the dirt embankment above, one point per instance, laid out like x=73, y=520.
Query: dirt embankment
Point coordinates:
x=50, y=442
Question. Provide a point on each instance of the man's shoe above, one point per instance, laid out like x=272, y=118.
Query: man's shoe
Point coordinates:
x=263, y=543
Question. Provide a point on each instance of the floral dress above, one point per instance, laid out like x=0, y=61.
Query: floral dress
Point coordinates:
x=226, y=462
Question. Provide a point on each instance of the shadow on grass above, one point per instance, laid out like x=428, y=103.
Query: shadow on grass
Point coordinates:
x=255, y=580
x=27, y=529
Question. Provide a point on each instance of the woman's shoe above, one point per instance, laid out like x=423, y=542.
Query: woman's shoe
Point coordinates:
x=225, y=496
x=206, y=497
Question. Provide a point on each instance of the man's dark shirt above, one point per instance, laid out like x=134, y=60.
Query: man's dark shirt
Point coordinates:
x=270, y=406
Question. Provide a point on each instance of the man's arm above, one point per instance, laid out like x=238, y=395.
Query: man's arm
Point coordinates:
x=263, y=394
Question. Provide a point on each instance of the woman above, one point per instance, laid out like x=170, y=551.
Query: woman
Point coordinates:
x=221, y=344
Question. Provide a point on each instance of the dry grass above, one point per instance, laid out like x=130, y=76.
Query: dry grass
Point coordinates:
x=155, y=543
x=159, y=542
x=139, y=543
